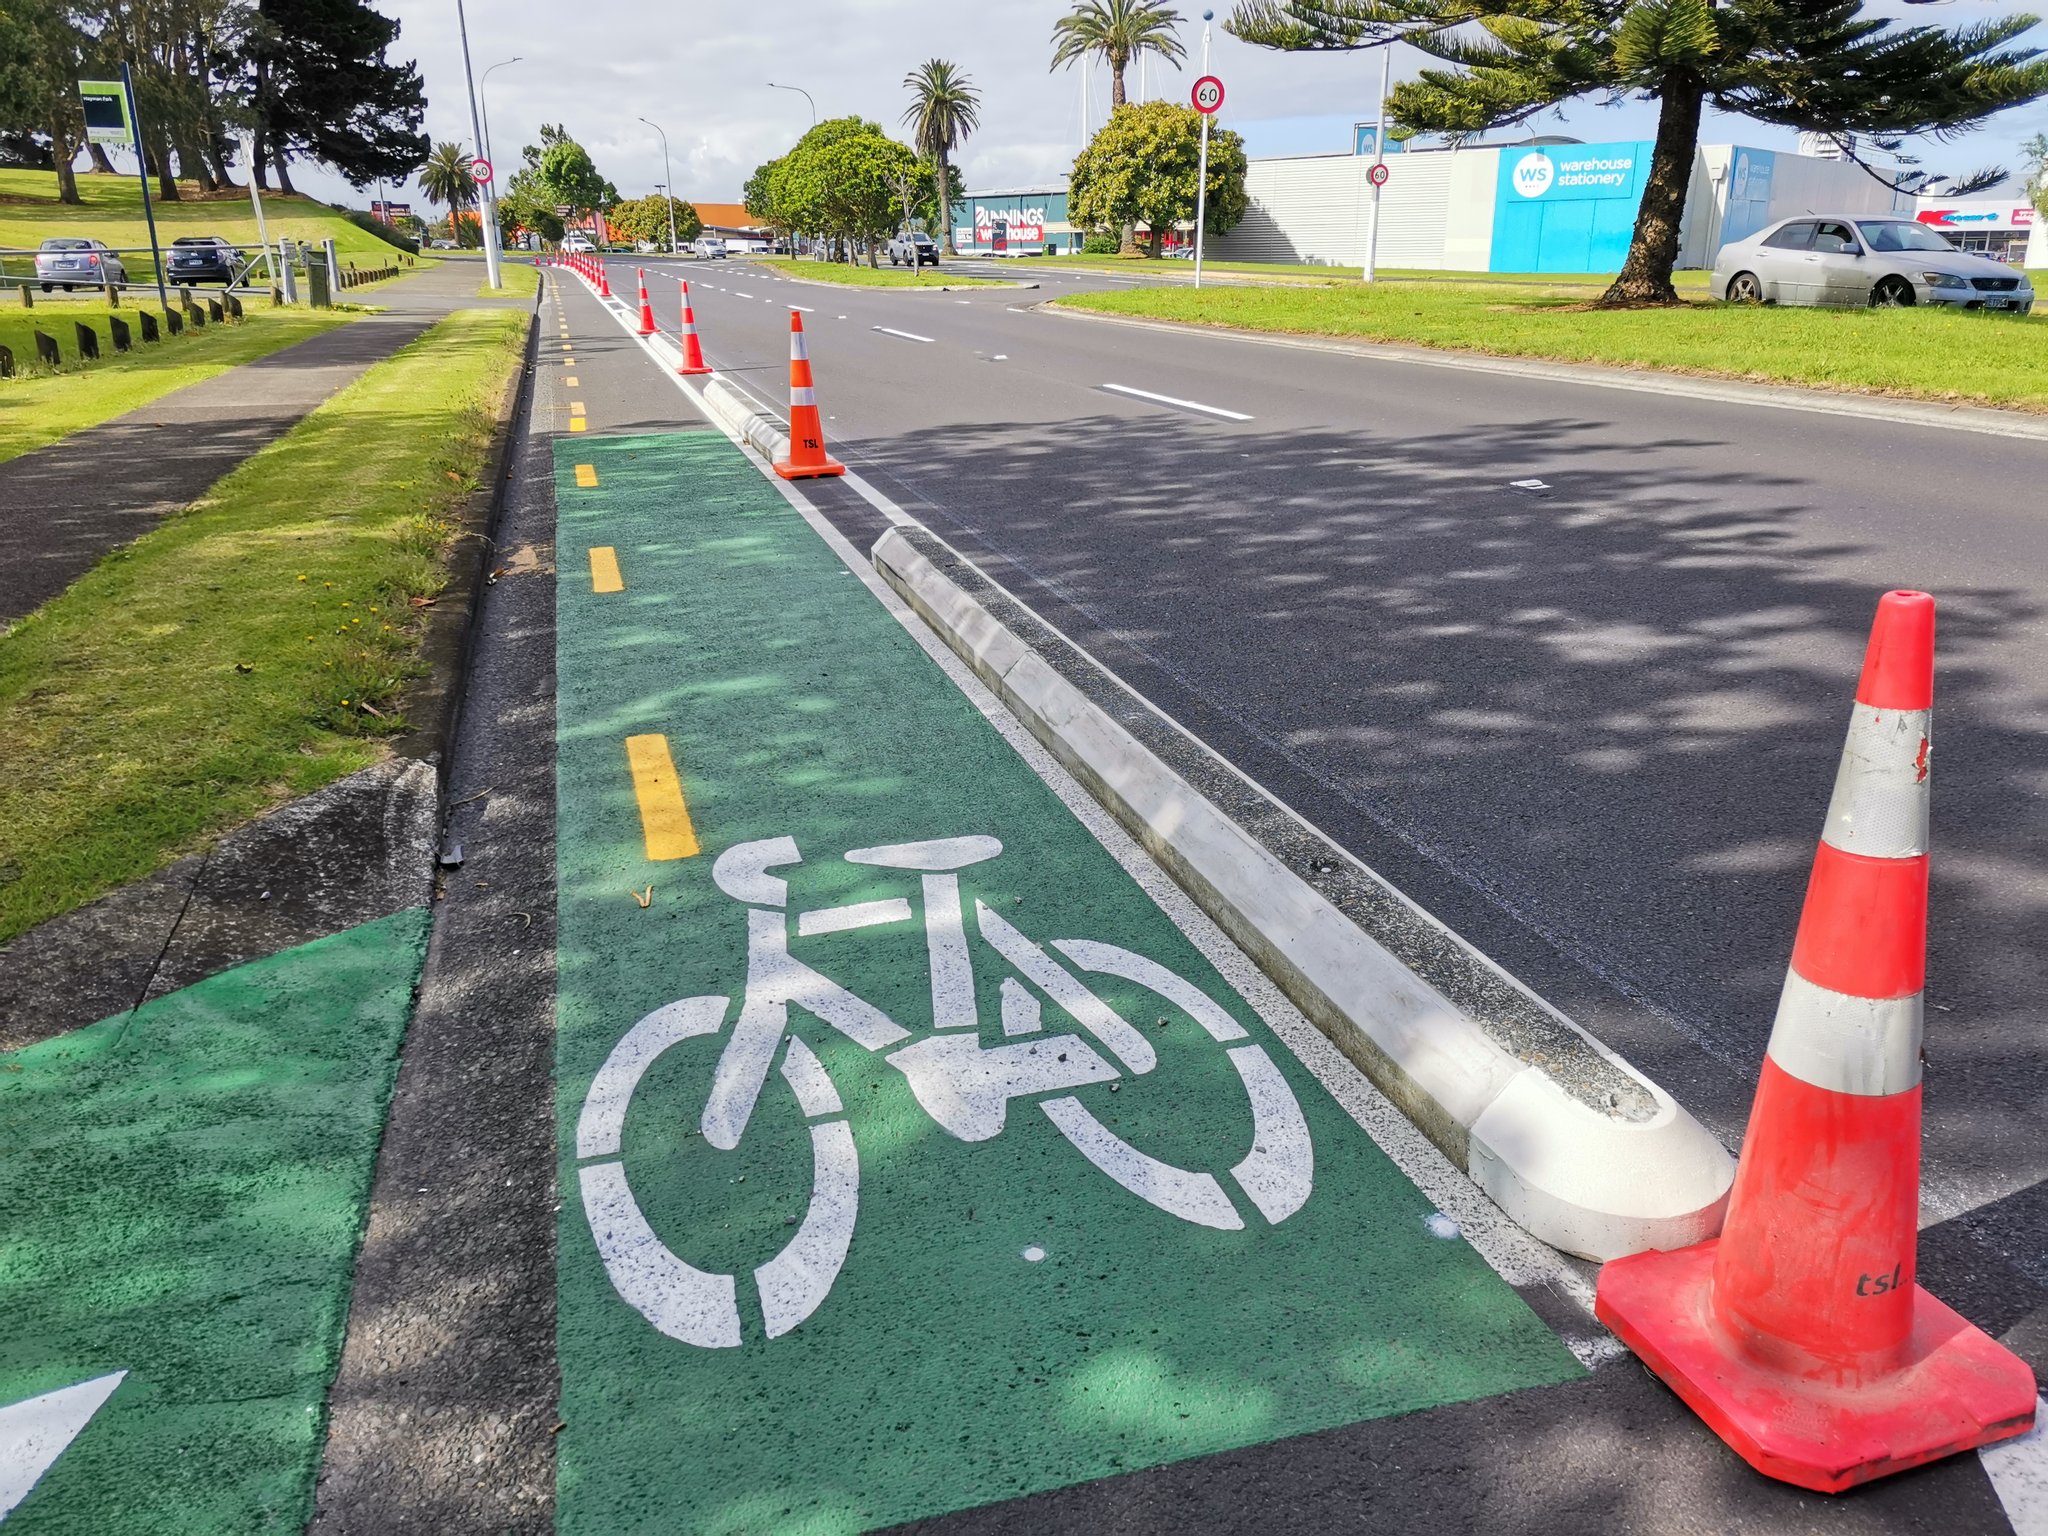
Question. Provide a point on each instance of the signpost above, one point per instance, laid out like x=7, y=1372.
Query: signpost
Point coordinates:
x=262, y=229
x=480, y=169
x=111, y=118
x=1207, y=97
x=1378, y=174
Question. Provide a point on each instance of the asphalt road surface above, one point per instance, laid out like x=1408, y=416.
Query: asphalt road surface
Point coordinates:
x=1590, y=723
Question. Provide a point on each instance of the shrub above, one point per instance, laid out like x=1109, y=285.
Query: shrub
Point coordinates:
x=388, y=233
x=1099, y=244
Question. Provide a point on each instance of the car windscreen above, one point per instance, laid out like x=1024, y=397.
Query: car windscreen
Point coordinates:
x=67, y=245
x=212, y=242
x=1898, y=235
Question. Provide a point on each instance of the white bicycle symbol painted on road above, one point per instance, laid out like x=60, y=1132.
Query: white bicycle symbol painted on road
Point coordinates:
x=965, y=1086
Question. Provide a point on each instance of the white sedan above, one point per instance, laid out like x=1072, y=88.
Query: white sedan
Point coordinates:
x=1854, y=261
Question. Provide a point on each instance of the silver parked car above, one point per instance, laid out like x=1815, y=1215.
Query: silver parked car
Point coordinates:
x=1854, y=261
x=76, y=263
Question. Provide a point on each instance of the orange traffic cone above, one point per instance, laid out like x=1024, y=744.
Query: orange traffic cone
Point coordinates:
x=604, y=280
x=1799, y=1333
x=807, y=458
x=693, y=349
x=646, y=309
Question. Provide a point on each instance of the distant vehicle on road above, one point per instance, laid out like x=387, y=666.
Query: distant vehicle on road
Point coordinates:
x=913, y=250
x=708, y=247
x=577, y=244
x=202, y=259
x=76, y=262
x=1853, y=262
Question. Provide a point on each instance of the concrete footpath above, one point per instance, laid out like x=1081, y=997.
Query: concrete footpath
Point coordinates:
x=64, y=506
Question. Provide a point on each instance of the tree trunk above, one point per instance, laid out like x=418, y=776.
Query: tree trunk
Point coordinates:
x=278, y=158
x=1116, y=85
x=160, y=163
x=101, y=165
x=60, y=154
x=945, y=205
x=1652, y=253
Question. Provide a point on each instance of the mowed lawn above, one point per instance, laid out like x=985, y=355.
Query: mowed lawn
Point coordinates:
x=1924, y=354
x=251, y=648
x=37, y=406
x=850, y=276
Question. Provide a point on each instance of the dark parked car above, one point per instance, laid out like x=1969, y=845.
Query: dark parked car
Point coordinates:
x=202, y=259
x=75, y=262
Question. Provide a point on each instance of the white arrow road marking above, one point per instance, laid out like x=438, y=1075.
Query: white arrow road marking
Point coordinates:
x=1186, y=405
x=2019, y=1473
x=37, y=1430
x=906, y=335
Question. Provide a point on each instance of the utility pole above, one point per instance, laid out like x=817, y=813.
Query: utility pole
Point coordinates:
x=487, y=199
x=1379, y=158
x=1202, y=176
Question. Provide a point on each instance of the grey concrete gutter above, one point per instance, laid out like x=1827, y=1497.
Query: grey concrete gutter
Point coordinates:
x=1987, y=420
x=1574, y=1144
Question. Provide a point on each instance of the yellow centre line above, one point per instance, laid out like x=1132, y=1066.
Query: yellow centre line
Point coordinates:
x=572, y=382
x=576, y=424
x=664, y=818
x=576, y=408
x=604, y=570
x=586, y=475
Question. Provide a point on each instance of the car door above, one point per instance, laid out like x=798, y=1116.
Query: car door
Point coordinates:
x=1840, y=273
x=1783, y=260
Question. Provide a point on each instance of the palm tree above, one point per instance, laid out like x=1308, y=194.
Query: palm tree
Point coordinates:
x=445, y=178
x=944, y=109
x=1119, y=30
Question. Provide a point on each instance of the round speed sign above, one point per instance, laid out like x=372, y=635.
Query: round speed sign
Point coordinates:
x=1379, y=174
x=480, y=170
x=1208, y=94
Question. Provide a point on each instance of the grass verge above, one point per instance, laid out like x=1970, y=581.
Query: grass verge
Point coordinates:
x=256, y=645
x=522, y=281
x=1922, y=354
x=38, y=407
x=866, y=277
x=1310, y=272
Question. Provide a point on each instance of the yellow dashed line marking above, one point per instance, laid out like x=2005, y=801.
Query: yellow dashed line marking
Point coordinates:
x=586, y=475
x=604, y=570
x=576, y=408
x=664, y=818
x=572, y=382
x=576, y=424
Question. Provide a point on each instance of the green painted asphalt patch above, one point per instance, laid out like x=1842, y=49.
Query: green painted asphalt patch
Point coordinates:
x=824, y=1266
x=183, y=1201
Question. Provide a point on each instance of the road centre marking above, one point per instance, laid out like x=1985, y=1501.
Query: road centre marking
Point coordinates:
x=576, y=408
x=571, y=382
x=1186, y=405
x=604, y=570
x=577, y=424
x=906, y=335
x=806, y=309
x=738, y=294
x=664, y=817
x=586, y=475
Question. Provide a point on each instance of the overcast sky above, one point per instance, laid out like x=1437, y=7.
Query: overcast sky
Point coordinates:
x=702, y=73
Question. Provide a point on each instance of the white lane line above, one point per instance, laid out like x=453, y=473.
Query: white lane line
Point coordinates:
x=738, y=294
x=2019, y=1476
x=890, y=331
x=806, y=309
x=1186, y=405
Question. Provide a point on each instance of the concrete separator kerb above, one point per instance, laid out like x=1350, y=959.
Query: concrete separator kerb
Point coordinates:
x=1598, y=1173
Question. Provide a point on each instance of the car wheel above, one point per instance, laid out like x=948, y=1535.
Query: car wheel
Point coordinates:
x=48, y=286
x=1744, y=288
x=1892, y=293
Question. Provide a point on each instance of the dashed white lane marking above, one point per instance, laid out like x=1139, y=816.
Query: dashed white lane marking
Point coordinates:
x=807, y=310
x=906, y=335
x=738, y=295
x=1186, y=405
x=2019, y=1474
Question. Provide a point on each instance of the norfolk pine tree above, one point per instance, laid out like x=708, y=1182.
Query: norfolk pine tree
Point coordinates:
x=1821, y=66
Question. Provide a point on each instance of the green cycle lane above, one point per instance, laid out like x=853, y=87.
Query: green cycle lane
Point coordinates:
x=911, y=1157
x=184, y=1196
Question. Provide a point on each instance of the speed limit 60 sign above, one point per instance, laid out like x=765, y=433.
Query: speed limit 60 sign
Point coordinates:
x=480, y=170
x=1379, y=174
x=1208, y=94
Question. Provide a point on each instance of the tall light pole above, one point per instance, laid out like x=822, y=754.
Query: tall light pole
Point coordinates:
x=485, y=195
x=484, y=96
x=668, y=191
x=801, y=92
x=1202, y=176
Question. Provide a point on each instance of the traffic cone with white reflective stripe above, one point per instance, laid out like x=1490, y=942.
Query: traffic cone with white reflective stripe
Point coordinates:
x=693, y=349
x=807, y=458
x=646, y=309
x=1799, y=1334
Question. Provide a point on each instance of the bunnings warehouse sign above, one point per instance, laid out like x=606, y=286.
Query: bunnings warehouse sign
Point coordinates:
x=1567, y=207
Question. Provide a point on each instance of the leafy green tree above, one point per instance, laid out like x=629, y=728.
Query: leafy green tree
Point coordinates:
x=843, y=181
x=1145, y=167
x=1117, y=31
x=445, y=179
x=758, y=195
x=944, y=109
x=43, y=51
x=646, y=218
x=322, y=87
x=2036, y=151
x=522, y=206
x=1818, y=65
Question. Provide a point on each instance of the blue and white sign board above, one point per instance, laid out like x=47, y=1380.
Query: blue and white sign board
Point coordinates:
x=1567, y=207
x=1365, y=140
x=1749, y=194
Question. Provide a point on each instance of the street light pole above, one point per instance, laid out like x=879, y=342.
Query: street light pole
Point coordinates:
x=484, y=97
x=1202, y=176
x=485, y=196
x=801, y=92
x=1379, y=156
x=668, y=195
